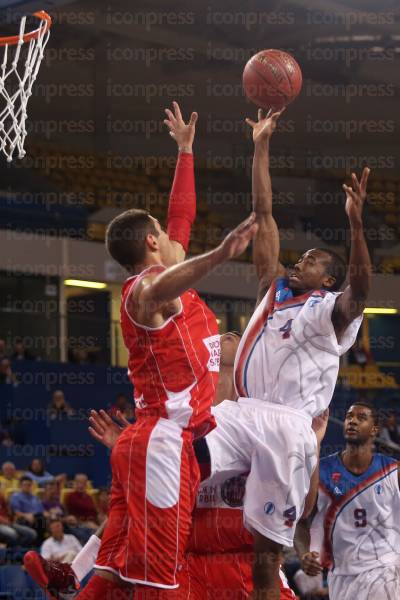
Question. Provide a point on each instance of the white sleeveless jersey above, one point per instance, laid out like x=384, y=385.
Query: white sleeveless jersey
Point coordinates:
x=289, y=353
x=358, y=515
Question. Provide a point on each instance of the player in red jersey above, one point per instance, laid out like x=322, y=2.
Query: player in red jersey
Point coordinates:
x=220, y=559
x=173, y=343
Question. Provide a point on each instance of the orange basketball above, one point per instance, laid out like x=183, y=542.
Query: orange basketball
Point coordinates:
x=272, y=79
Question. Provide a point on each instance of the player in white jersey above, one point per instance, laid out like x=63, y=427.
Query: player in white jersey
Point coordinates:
x=286, y=367
x=355, y=522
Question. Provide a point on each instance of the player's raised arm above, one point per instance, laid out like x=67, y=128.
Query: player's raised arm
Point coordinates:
x=351, y=303
x=266, y=244
x=154, y=292
x=182, y=201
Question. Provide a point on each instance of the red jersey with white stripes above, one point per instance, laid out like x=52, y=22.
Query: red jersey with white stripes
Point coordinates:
x=174, y=368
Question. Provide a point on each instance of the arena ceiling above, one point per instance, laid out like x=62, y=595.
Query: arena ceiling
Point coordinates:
x=110, y=70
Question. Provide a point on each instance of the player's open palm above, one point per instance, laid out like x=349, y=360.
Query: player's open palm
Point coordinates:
x=265, y=126
x=237, y=240
x=183, y=133
x=104, y=429
x=356, y=195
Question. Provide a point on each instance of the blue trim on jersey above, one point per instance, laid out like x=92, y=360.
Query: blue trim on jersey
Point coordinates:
x=333, y=464
x=246, y=366
x=282, y=287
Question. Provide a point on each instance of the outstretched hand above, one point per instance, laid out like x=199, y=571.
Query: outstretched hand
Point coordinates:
x=237, y=240
x=181, y=132
x=265, y=126
x=356, y=195
x=104, y=429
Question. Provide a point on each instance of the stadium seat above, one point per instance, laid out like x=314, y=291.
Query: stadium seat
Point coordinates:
x=15, y=584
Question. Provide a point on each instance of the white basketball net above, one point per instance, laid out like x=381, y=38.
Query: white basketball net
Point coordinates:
x=17, y=75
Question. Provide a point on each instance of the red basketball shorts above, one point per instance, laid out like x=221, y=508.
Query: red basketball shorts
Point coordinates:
x=225, y=577
x=155, y=477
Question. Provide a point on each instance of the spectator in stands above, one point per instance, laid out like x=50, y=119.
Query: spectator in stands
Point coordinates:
x=53, y=509
x=8, y=477
x=27, y=508
x=390, y=432
x=14, y=534
x=123, y=406
x=59, y=545
x=6, y=439
x=103, y=501
x=20, y=352
x=80, y=504
x=58, y=406
x=77, y=356
x=7, y=377
x=3, y=349
x=37, y=473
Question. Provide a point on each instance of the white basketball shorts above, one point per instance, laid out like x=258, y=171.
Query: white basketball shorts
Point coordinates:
x=277, y=447
x=382, y=583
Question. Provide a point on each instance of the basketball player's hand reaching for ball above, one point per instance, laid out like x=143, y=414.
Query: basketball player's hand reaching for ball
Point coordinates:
x=181, y=132
x=265, y=126
x=355, y=197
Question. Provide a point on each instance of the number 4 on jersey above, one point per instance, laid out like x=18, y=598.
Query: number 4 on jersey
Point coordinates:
x=286, y=328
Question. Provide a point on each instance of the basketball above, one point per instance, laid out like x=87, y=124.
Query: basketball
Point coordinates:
x=272, y=79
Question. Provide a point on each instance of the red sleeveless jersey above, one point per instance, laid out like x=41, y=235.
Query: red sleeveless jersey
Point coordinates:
x=174, y=368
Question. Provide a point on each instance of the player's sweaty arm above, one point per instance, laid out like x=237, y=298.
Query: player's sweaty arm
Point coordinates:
x=153, y=293
x=266, y=244
x=182, y=201
x=351, y=303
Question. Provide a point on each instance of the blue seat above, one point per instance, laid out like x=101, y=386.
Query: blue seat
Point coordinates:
x=15, y=584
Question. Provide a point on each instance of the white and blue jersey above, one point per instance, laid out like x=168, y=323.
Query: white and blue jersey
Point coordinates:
x=289, y=353
x=359, y=516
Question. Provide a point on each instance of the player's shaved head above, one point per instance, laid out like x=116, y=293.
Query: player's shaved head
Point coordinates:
x=126, y=236
x=317, y=269
x=336, y=267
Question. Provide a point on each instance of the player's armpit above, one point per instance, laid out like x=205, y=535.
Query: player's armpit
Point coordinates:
x=347, y=308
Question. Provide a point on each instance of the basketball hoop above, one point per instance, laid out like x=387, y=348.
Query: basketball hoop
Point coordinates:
x=17, y=76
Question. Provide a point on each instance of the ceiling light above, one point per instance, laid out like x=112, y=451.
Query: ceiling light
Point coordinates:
x=96, y=285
